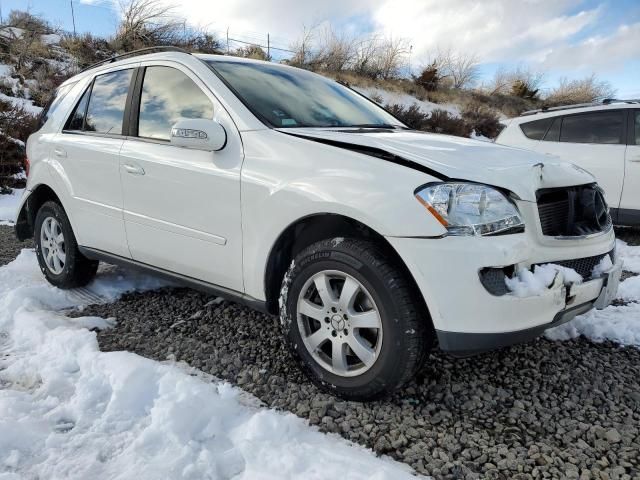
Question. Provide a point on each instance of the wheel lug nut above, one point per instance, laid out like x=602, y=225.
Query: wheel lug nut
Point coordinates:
x=345, y=316
x=326, y=319
x=334, y=333
x=333, y=309
x=346, y=332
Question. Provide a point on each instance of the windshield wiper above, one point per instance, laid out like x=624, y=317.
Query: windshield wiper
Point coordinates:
x=373, y=125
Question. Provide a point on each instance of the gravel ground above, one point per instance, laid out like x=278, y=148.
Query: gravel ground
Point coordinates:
x=541, y=410
x=9, y=245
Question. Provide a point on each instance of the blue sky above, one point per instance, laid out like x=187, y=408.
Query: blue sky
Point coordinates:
x=563, y=38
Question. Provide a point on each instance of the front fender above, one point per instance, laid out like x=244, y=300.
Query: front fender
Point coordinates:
x=285, y=179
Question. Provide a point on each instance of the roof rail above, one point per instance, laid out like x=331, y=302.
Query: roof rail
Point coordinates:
x=606, y=101
x=133, y=53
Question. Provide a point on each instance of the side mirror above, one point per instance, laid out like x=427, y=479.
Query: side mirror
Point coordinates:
x=199, y=134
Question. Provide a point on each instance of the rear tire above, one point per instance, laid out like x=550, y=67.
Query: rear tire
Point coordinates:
x=57, y=250
x=364, y=335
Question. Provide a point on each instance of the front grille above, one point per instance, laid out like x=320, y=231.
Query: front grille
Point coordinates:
x=584, y=266
x=573, y=211
x=493, y=279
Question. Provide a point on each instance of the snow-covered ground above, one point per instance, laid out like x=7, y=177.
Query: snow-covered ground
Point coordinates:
x=69, y=411
x=9, y=205
x=407, y=100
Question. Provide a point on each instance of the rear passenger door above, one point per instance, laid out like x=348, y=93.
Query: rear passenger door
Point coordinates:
x=629, y=212
x=596, y=142
x=181, y=206
x=86, y=153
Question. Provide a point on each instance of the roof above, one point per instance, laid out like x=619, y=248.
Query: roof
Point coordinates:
x=607, y=104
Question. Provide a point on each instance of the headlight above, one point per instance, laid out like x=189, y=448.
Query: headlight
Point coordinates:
x=469, y=208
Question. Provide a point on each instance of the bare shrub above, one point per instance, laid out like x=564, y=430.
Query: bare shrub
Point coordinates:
x=461, y=69
x=411, y=116
x=87, y=49
x=16, y=124
x=429, y=77
x=482, y=119
x=252, y=51
x=334, y=51
x=441, y=121
x=147, y=23
x=521, y=82
x=586, y=90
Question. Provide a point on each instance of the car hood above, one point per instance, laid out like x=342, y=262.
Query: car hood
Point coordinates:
x=455, y=158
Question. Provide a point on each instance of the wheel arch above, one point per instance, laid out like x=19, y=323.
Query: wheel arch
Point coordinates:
x=310, y=229
x=27, y=215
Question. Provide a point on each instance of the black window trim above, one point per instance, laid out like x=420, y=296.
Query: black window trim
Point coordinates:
x=631, y=125
x=125, y=121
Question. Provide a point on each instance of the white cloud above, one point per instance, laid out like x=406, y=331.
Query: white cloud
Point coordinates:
x=542, y=33
x=596, y=53
x=496, y=30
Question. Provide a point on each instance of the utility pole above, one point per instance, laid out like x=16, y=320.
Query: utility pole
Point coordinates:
x=268, y=48
x=73, y=18
x=227, y=40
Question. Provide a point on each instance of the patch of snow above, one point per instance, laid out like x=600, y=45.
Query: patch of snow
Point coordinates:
x=602, y=267
x=50, y=39
x=69, y=411
x=631, y=256
x=407, y=100
x=528, y=284
x=9, y=206
x=22, y=102
x=11, y=32
x=5, y=70
x=619, y=324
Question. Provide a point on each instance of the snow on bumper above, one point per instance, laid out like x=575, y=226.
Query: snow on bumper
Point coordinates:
x=468, y=318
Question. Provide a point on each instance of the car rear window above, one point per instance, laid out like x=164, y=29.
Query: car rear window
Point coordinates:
x=535, y=130
x=53, y=104
x=605, y=127
x=637, y=128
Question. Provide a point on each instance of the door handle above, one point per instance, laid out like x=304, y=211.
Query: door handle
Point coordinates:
x=133, y=169
x=60, y=152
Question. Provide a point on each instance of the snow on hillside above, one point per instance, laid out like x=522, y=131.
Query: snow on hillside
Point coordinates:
x=69, y=411
x=389, y=98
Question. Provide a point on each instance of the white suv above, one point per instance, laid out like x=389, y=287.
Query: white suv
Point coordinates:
x=279, y=188
x=602, y=138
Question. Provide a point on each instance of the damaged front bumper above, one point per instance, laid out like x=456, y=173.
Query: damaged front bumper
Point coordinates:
x=469, y=319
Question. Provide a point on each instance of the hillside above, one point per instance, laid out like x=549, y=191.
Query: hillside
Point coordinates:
x=35, y=58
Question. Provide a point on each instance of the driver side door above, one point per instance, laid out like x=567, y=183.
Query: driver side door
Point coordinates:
x=181, y=206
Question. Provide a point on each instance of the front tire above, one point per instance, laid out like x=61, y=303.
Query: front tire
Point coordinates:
x=57, y=250
x=353, y=318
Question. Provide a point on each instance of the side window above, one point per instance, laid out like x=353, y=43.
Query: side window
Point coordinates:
x=167, y=95
x=76, y=119
x=637, y=124
x=597, y=127
x=535, y=130
x=105, y=112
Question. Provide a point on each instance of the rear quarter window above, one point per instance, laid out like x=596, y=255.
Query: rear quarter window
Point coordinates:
x=536, y=129
x=53, y=104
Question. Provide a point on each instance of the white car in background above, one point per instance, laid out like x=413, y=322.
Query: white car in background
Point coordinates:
x=279, y=188
x=601, y=138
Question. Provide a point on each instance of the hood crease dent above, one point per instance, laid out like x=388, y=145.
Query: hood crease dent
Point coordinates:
x=449, y=158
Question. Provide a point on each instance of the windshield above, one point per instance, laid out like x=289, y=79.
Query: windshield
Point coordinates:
x=286, y=97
